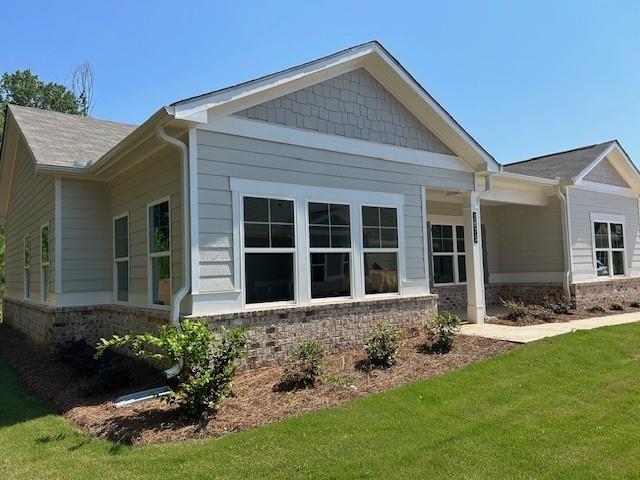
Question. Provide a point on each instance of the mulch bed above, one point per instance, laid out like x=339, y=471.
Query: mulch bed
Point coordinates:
x=503, y=319
x=256, y=403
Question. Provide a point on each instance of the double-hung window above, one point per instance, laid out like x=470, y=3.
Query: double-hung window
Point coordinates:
x=45, y=277
x=121, y=258
x=269, y=250
x=330, y=249
x=447, y=247
x=380, y=249
x=609, y=248
x=26, y=248
x=160, y=253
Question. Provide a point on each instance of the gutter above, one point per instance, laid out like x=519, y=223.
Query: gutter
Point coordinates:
x=186, y=236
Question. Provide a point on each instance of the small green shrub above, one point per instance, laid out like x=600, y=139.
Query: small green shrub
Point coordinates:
x=597, y=309
x=635, y=304
x=305, y=367
x=336, y=379
x=209, y=361
x=382, y=346
x=515, y=310
x=542, y=313
x=561, y=306
x=616, y=306
x=441, y=330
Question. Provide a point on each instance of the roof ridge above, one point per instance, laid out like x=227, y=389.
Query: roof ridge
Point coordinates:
x=74, y=115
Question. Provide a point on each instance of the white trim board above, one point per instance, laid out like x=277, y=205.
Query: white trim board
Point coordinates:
x=605, y=188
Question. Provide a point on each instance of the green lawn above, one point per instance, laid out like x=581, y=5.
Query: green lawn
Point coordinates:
x=568, y=407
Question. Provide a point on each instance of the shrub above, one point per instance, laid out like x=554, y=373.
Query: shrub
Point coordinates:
x=305, y=367
x=635, y=304
x=561, y=306
x=382, y=346
x=542, y=313
x=441, y=330
x=597, y=309
x=515, y=310
x=209, y=362
x=616, y=306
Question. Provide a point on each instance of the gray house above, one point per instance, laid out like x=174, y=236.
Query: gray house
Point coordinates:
x=310, y=203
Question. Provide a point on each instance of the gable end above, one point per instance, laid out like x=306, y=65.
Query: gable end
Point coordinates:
x=606, y=173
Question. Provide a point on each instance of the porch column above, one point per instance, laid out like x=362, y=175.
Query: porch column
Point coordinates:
x=476, y=309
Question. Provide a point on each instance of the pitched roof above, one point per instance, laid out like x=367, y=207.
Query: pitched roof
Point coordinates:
x=568, y=164
x=66, y=140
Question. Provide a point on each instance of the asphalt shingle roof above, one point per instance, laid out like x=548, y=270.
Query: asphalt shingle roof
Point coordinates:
x=67, y=140
x=565, y=165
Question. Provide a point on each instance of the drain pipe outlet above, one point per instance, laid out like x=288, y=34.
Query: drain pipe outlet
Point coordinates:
x=177, y=298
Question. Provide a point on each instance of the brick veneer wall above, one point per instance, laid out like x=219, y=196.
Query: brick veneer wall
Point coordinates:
x=605, y=292
x=273, y=333
x=454, y=297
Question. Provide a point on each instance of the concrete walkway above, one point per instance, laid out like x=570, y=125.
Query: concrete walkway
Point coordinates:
x=530, y=333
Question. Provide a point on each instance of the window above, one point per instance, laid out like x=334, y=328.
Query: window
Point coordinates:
x=609, y=248
x=160, y=253
x=269, y=249
x=121, y=258
x=447, y=247
x=27, y=265
x=45, y=277
x=380, y=248
x=330, y=249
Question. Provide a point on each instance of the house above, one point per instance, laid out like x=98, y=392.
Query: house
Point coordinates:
x=310, y=203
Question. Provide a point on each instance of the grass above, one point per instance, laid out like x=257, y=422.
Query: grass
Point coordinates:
x=565, y=407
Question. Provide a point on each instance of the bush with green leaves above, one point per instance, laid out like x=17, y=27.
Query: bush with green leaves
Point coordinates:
x=616, y=306
x=515, y=310
x=597, y=309
x=559, y=306
x=209, y=361
x=441, y=330
x=305, y=366
x=382, y=346
x=635, y=304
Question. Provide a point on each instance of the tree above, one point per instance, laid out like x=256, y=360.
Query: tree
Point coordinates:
x=24, y=88
x=82, y=87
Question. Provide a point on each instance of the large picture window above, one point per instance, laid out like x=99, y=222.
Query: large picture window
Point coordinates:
x=160, y=253
x=449, y=261
x=269, y=250
x=609, y=248
x=380, y=249
x=45, y=276
x=26, y=250
x=121, y=258
x=330, y=249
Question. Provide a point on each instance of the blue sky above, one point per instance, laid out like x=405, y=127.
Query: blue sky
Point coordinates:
x=524, y=78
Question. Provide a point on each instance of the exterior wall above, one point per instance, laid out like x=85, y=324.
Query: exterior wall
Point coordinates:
x=454, y=297
x=31, y=205
x=221, y=157
x=604, y=172
x=581, y=204
x=604, y=293
x=353, y=105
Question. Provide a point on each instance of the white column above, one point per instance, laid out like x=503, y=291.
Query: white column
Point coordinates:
x=476, y=309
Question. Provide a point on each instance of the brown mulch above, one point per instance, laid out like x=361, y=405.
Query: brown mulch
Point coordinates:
x=503, y=319
x=256, y=402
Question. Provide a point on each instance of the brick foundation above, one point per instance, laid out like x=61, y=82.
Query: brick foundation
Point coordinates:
x=605, y=292
x=454, y=297
x=273, y=333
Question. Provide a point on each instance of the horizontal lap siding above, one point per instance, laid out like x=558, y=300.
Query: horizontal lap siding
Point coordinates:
x=31, y=205
x=581, y=204
x=221, y=157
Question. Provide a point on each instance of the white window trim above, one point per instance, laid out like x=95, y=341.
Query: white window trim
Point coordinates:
x=127, y=259
x=608, y=218
x=455, y=253
x=26, y=267
x=301, y=195
x=43, y=264
x=151, y=256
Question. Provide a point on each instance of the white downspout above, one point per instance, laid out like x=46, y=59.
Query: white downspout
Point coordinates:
x=186, y=236
x=566, y=281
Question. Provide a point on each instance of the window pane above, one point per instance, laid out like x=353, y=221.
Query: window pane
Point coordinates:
x=256, y=209
x=389, y=238
x=121, y=237
x=370, y=216
x=282, y=236
x=462, y=269
x=27, y=252
x=442, y=238
x=601, y=235
x=443, y=269
x=319, y=237
x=122, y=278
x=617, y=237
x=318, y=214
x=388, y=217
x=460, y=238
x=381, y=272
x=256, y=235
x=281, y=211
x=371, y=237
x=161, y=280
x=340, y=237
x=159, y=228
x=269, y=277
x=44, y=245
x=45, y=282
x=330, y=275
x=27, y=283
x=618, y=263
x=340, y=215
x=602, y=264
